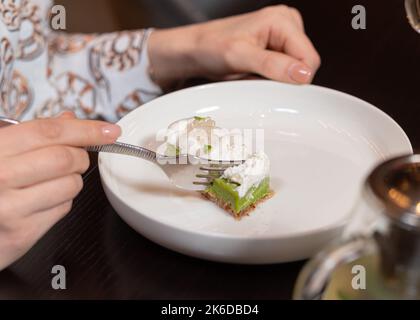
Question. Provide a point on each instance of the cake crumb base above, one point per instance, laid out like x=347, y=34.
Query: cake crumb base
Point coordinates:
x=227, y=207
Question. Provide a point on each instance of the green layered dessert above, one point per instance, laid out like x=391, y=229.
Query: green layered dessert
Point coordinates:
x=224, y=193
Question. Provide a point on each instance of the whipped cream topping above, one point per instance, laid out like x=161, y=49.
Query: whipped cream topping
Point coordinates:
x=200, y=137
x=251, y=173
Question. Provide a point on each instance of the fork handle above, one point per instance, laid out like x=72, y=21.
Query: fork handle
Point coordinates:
x=125, y=149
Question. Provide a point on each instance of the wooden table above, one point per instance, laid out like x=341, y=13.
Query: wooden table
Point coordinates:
x=105, y=258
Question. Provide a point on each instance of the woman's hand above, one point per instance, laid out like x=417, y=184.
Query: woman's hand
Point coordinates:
x=41, y=163
x=270, y=42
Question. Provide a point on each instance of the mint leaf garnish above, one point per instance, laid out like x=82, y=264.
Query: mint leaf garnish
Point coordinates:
x=172, y=151
x=207, y=148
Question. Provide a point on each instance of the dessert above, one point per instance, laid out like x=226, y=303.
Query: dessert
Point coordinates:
x=240, y=188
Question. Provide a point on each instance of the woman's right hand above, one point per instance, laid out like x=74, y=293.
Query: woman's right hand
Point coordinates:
x=41, y=163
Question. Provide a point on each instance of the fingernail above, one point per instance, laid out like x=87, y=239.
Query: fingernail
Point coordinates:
x=111, y=131
x=300, y=73
x=66, y=114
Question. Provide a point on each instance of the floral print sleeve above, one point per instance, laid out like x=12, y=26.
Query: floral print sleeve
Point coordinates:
x=43, y=73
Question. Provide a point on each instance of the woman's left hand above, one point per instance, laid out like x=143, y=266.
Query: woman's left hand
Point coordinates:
x=270, y=42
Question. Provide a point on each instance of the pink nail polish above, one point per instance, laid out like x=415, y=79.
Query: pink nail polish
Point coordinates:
x=300, y=73
x=111, y=131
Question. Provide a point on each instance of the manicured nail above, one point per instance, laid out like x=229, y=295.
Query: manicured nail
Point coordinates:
x=111, y=131
x=66, y=114
x=300, y=73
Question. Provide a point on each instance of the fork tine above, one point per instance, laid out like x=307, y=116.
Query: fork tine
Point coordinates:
x=214, y=169
x=207, y=176
x=220, y=165
x=201, y=183
x=226, y=162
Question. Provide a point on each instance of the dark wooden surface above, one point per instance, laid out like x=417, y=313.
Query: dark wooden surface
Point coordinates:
x=105, y=258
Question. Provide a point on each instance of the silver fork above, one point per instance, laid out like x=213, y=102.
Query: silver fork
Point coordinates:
x=184, y=171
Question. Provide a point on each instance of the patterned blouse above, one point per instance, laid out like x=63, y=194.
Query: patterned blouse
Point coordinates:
x=43, y=72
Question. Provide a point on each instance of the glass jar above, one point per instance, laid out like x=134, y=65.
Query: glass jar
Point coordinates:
x=379, y=255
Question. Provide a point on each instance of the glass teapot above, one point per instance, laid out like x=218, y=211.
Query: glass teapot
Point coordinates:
x=412, y=8
x=379, y=255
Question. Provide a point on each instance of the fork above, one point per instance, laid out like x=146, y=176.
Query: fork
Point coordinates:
x=184, y=171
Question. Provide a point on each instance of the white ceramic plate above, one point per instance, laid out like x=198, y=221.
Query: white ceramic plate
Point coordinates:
x=322, y=144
